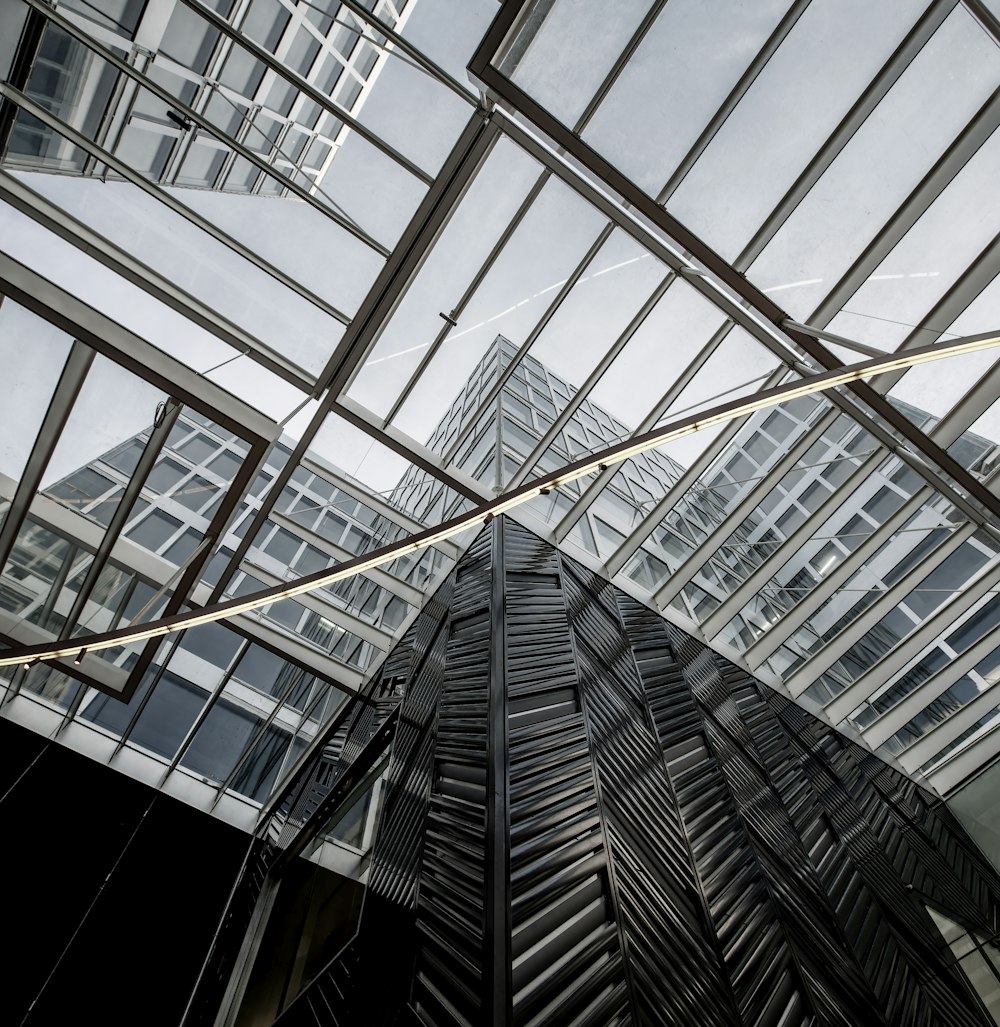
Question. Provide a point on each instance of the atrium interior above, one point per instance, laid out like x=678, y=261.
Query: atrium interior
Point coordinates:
x=455, y=455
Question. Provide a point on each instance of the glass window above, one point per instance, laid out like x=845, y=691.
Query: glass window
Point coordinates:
x=181, y=550
x=165, y=474
x=154, y=529
x=226, y=465
x=196, y=493
x=198, y=448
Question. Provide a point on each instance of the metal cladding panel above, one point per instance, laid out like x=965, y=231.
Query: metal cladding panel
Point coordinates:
x=591, y=818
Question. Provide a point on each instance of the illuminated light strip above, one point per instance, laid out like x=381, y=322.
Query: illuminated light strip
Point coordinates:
x=591, y=464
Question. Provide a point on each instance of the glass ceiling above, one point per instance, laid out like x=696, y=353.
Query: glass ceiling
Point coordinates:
x=285, y=281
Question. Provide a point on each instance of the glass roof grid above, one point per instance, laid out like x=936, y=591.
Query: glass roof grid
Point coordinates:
x=585, y=391
x=818, y=109
x=192, y=117
x=668, y=493
x=845, y=584
x=176, y=301
x=674, y=84
x=484, y=214
x=599, y=316
x=185, y=212
x=951, y=734
x=799, y=534
x=562, y=290
x=912, y=127
x=537, y=57
x=510, y=298
x=405, y=44
x=729, y=104
x=965, y=394
x=941, y=598
x=404, y=445
x=747, y=481
x=934, y=250
x=453, y=316
x=603, y=479
x=308, y=88
x=916, y=706
x=447, y=34
x=732, y=357
x=887, y=601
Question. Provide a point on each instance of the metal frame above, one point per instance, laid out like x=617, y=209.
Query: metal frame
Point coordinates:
x=507, y=112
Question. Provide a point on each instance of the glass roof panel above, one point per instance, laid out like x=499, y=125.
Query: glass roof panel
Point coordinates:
x=920, y=116
x=810, y=83
x=674, y=83
x=541, y=254
x=928, y=389
x=657, y=354
x=930, y=258
x=493, y=198
x=611, y=291
x=33, y=354
x=186, y=256
x=448, y=33
x=567, y=47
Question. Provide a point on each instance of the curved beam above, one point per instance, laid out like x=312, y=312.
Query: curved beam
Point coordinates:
x=590, y=464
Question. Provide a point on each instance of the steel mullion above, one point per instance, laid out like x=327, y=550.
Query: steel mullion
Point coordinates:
x=150, y=453
x=808, y=605
x=472, y=421
x=144, y=82
x=825, y=657
x=747, y=79
x=566, y=414
x=407, y=47
x=709, y=547
x=753, y=309
x=159, y=193
x=96, y=330
x=875, y=92
x=932, y=689
x=723, y=287
x=890, y=666
x=681, y=382
x=305, y=87
x=989, y=22
x=941, y=735
x=980, y=397
x=470, y=291
x=636, y=40
x=979, y=129
x=170, y=649
x=71, y=379
x=789, y=548
x=19, y=196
